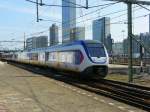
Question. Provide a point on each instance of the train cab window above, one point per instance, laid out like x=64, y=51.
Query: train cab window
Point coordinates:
x=95, y=50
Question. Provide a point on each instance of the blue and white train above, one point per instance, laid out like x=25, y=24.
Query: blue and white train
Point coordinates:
x=88, y=58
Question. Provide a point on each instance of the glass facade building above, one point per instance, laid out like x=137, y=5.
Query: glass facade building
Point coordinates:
x=53, y=35
x=77, y=33
x=101, y=29
x=149, y=23
x=101, y=32
x=36, y=42
x=68, y=19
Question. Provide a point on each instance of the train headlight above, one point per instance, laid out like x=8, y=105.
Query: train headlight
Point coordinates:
x=101, y=59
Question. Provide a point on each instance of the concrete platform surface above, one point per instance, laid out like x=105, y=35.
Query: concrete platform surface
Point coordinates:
x=23, y=91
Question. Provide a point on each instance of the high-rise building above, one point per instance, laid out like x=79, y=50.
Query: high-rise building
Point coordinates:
x=109, y=43
x=118, y=48
x=41, y=41
x=149, y=23
x=135, y=47
x=144, y=38
x=36, y=42
x=31, y=43
x=68, y=19
x=77, y=33
x=101, y=32
x=101, y=29
x=53, y=35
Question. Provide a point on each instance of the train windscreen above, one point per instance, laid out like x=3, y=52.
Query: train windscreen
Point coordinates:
x=96, y=50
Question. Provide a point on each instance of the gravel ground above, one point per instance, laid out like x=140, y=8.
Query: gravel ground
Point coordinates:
x=24, y=91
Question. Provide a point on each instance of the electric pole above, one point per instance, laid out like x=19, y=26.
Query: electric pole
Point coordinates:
x=41, y=2
x=130, y=42
x=129, y=5
x=37, y=10
x=87, y=4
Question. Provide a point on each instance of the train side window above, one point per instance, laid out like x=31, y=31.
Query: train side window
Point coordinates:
x=52, y=56
x=70, y=57
x=34, y=56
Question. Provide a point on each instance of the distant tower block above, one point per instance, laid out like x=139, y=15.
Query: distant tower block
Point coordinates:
x=101, y=32
x=77, y=33
x=68, y=19
x=101, y=29
x=149, y=23
x=53, y=35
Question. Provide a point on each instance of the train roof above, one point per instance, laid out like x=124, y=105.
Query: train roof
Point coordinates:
x=78, y=42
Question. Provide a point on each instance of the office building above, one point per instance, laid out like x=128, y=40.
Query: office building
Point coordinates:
x=68, y=19
x=31, y=43
x=36, y=42
x=77, y=33
x=53, y=35
x=42, y=41
x=118, y=48
x=135, y=47
x=144, y=38
x=101, y=32
x=149, y=23
x=108, y=43
x=101, y=29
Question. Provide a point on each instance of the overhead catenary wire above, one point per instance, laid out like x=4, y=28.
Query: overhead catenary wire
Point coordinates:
x=96, y=11
x=116, y=22
x=91, y=18
x=82, y=16
x=103, y=5
x=125, y=13
x=43, y=4
x=52, y=5
x=112, y=23
x=73, y=3
x=91, y=13
x=88, y=20
x=50, y=20
x=144, y=7
x=65, y=22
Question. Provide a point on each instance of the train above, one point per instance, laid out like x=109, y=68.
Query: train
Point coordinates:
x=87, y=58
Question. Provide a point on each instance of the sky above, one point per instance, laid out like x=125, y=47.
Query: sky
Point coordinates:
x=19, y=16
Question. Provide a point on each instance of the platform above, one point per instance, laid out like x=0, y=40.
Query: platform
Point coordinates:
x=24, y=91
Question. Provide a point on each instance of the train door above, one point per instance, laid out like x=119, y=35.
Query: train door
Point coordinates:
x=46, y=56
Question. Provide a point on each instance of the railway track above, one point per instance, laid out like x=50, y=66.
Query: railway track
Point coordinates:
x=135, y=95
x=131, y=94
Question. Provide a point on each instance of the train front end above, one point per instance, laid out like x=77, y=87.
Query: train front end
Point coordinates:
x=97, y=58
